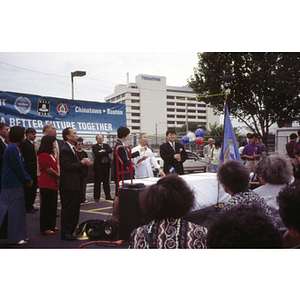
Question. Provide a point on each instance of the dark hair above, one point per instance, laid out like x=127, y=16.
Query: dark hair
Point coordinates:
x=297, y=173
x=234, y=175
x=218, y=143
x=249, y=134
x=122, y=131
x=170, y=197
x=254, y=135
x=293, y=136
x=298, y=131
x=16, y=134
x=170, y=131
x=288, y=200
x=46, y=144
x=80, y=139
x=30, y=130
x=242, y=226
x=65, y=132
x=3, y=125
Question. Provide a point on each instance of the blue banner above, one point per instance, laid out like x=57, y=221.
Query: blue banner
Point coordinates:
x=229, y=149
x=84, y=116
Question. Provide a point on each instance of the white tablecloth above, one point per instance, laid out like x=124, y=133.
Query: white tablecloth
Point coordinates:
x=207, y=190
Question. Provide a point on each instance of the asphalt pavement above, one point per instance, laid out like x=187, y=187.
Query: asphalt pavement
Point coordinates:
x=101, y=210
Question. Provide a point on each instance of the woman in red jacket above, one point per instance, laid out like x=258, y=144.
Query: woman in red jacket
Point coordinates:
x=48, y=184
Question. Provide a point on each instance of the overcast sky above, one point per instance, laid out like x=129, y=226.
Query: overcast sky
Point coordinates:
x=49, y=74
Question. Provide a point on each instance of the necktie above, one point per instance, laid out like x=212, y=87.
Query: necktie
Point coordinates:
x=173, y=146
x=75, y=153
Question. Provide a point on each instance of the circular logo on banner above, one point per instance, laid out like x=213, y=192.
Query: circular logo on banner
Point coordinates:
x=22, y=105
x=62, y=109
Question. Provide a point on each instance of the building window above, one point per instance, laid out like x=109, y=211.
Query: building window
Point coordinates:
x=180, y=98
x=123, y=95
x=118, y=97
x=180, y=104
x=180, y=116
x=190, y=99
x=170, y=109
x=202, y=123
x=201, y=105
x=192, y=117
x=135, y=101
x=201, y=111
x=135, y=114
x=170, y=97
x=170, y=103
x=180, y=110
x=170, y=116
x=135, y=94
x=135, y=107
x=135, y=127
x=180, y=123
x=191, y=104
x=200, y=117
x=171, y=122
x=122, y=101
x=191, y=110
x=135, y=121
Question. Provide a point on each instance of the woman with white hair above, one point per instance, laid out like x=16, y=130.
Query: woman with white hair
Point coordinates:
x=274, y=173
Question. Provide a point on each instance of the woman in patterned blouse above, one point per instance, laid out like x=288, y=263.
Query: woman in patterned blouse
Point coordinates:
x=234, y=177
x=166, y=202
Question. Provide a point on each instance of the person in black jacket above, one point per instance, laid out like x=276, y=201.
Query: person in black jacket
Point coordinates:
x=173, y=154
x=70, y=192
x=4, y=132
x=123, y=153
x=30, y=160
x=84, y=170
x=101, y=167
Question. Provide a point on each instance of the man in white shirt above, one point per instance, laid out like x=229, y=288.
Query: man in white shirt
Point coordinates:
x=144, y=162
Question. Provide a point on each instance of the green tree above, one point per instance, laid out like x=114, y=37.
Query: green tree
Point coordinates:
x=266, y=87
x=217, y=130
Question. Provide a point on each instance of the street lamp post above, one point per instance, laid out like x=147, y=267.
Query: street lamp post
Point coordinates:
x=76, y=74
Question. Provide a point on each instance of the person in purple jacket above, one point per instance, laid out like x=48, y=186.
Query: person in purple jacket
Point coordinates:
x=252, y=152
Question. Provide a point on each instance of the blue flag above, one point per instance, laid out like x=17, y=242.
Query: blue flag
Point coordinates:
x=229, y=149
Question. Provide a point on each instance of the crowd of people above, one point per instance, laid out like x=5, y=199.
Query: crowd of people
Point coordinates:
x=261, y=217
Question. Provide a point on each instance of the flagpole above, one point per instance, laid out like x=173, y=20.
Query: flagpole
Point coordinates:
x=222, y=156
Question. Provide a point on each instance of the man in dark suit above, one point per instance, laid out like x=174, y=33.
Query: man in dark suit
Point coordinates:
x=4, y=131
x=246, y=140
x=101, y=167
x=30, y=160
x=173, y=154
x=70, y=194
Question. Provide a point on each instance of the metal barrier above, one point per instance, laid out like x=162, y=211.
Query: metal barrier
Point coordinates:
x=120, y=162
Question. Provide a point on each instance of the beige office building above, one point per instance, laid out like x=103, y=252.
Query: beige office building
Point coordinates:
x=152, y=106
